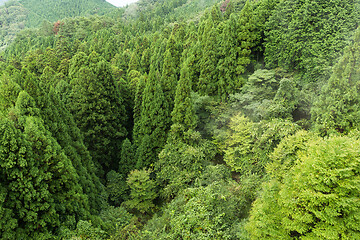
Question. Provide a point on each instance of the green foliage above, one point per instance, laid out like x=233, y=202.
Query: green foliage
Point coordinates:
x=127, y=157
x=207, y=211
x=204, y=114
x=16, y=15
x=209, y=60
x=235, y=51
x=317, y=197
x=97, y=107
x=12, y=20
x=269, y=94
x=115, y=219
x=53, y=11
x=150, y=131
x=142, y=191
x=85, y=230
x=116, y=187
x=239, y=143
x=183, y=113
x=169, y=78
x=337, y=109
x=285, y=155
x=42, y=186
x=180, y=164
x=308, y=36
x=248, y=144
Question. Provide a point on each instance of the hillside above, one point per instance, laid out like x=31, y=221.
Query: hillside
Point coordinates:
x=18, y=15
x=12, y=20
x=183, y=119
x=47, y=10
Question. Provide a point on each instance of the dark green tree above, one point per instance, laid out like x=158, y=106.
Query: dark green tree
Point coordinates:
x=98, y=108
x=300, y=35
x=237, y=39
x=127, y=158
x=338, y=106
x=169, y=79
x=208, y=84
x=42, y=186
x=183, y=114
x=154, y=120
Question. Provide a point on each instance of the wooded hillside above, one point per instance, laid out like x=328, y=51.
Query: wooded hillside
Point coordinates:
x=183, y=119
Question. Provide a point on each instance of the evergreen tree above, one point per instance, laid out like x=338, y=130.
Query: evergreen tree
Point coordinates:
x=338, y=106
x=237, y=39
x=98, y=109
x=127, y=158
x=169, y=79
x=145, y=61
x=183, y=113
x=208, y=74
x=42, y=185
x=134, y=62
x=154, y=120
x=291, y=41
x=137, y=103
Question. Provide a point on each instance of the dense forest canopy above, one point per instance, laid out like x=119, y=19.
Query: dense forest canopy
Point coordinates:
x=16, y=15
x=180, y=119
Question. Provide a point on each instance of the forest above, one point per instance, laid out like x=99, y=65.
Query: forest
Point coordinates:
x=180, y=119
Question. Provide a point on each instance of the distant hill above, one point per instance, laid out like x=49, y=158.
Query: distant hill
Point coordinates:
x=18, y=15
x=40, y=10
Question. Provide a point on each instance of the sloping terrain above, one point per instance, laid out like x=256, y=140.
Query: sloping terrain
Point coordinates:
x=17, y=15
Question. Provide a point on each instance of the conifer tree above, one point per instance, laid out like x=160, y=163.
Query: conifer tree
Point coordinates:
x=215, y=14
x=183, y=113
x=157, y=57
x=292, y=44
x=42, y=185
x=209, y=60
x=134, y=62
x=338, y=106
x=127, y=158
x=173, y=45
x=145, y=61
x=154, y=119
x=237, y=38
x=169, y=79
x=98, y=108
x=59, y=121
x=192, y=54
x=137, y=104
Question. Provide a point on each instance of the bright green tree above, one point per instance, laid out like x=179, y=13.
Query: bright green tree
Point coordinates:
x=317, y=197
x=248, y=144
x=210, y=209
x=142, y=191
